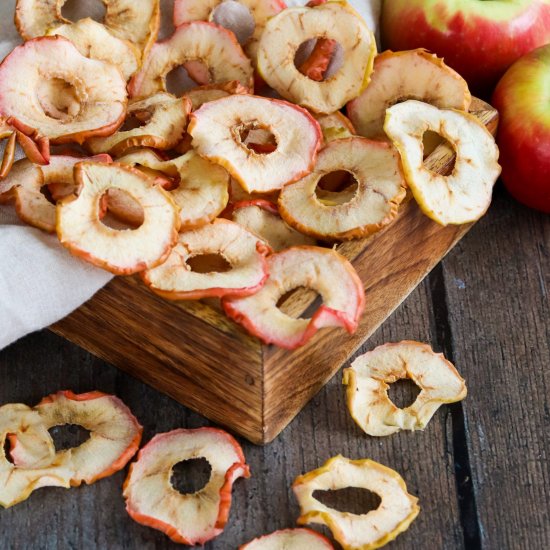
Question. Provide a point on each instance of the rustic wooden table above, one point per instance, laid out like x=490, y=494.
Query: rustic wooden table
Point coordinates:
x=480, y=469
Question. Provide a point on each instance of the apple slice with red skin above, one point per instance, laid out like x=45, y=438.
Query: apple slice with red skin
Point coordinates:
x=321, y=269
x=186, y=518
x=35, y=146
x=290, y=539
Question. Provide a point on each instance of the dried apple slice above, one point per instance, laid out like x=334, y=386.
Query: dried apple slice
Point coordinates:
x=464, y=195
x=370, y=375
x=210, y=92
x=262, y=218
x=186, y=518
x=165, y=119
x=290, y=539
x=433, y=82
x=380, y=190
x=320, y=269
x=93, y=40
x=35, y=146
x=242, y=250
x=26, y=75
x=397, y=509
x=8, y=157
x=335, y=126
x=214, y=46
x=121, y=252
x=217, y=129
x=335, y=21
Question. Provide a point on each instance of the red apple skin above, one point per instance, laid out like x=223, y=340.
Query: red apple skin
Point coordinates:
x=523, y=100
x=478, y=39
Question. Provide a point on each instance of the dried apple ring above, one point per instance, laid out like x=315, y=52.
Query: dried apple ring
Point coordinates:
x=217, y=129
x=214, y=46
x=464, y=195
x=262, y=218
x=321, y=269
x=397, y=509
x=203, y=94
x=370, y=375
x=335, y=126
x=121, y=252
x=242, y=250
x=290, y=539
x=99, y=87
x=186, y=518
x=165, y=118
x=335, y=21
x=380, y=190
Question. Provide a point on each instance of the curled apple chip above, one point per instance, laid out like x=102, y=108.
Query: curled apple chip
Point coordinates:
x=210, y=92
x=93, y=40
x=320, y=269
x=121, y=252
x=262, y=218
x=213, y=46
x=335, y=126
x=219, y=129
x=165, y=120
x=35, y=146
x=370, y=375
x=290, y=539
x=462, y=196
x=433, y=82
x=396, y=511
x=199, y=187
x=193, y=518
x=374, y=204
x=26, y=91
x=245, y=254
x=334, y=21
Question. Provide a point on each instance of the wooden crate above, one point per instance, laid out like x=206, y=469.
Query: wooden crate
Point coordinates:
x=192, y=352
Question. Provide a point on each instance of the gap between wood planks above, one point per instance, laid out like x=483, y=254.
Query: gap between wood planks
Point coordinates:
x=469, y=519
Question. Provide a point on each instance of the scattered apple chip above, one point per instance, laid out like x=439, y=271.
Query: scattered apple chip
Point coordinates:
x=26, y=91
x=433, y=82
x=290, y=539
x=464, y=195
x=320, y=269
x=214, y=46
x=335, y=21
x=203, y=94
x=370, y=375
x=121, y=252
x=396, y=511
x=242, y=250
x=35, y=146
x=374, y=204
x=219, y=128
x=262, y=218
x=165, y=118
x=186, y=518
x=335, y=126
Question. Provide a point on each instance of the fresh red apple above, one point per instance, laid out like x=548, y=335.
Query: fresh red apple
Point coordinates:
x=523, y=100
x=479, y=39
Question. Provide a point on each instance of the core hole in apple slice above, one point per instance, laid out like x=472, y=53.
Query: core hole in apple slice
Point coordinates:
x=185, y=77
x=74, y=10
x=190, y=476
x=352, y=500
x=319, y=58
x=403, y=393
x=45, y=190
x=68, y=436
x=431, y=141
x=119, y=210
x=257, y=138
x=337, y=188
x=235, y=17
x=307, y=296
x=209, y=263
x=58, y=98
x=132, y=122
x=7, y=449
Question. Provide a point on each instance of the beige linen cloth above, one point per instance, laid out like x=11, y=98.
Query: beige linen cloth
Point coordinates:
x=40, y=282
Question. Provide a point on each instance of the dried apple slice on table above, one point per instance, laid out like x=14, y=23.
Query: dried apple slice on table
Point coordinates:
x=462, y=196
x=319, y=269
x=218, y=128
x=373, y=204
x=370, y=375
x=432, y=82
x=186, y=518
x=397, y=509
x=121, y=252
x=290, y=539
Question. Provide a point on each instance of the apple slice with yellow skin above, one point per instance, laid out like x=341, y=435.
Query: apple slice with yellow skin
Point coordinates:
x=241, y=249
x=368, y=531
x=370, y=375
x=290, y=539
x=217, y=128
x=193, y=518
x=214, y=46
x=319, y=269
x=121, y=252
x=464, y=195
x=29, y=70
x=391, y=83
x=165, y=119
x=334, y=21
x=381, y=188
